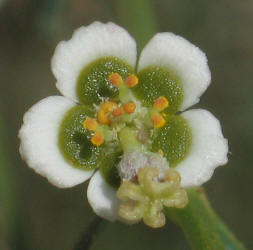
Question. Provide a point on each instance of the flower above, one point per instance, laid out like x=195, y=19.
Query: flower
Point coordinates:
x=113, y=122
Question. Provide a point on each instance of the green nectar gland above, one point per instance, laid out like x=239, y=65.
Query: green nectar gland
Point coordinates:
x=155, y=82
x=93, y=83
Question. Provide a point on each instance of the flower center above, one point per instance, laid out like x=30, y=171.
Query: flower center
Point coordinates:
x=122, y=119
x=121, y=113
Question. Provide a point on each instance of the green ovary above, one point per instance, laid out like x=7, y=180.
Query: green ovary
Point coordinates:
x=146, y=199
x=93, y=83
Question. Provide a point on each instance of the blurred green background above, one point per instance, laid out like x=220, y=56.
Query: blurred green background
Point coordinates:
x=34, y=215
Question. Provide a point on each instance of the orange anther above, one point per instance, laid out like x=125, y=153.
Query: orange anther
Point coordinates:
x=161, y=103
x=115, y=79
x=118, y=111
x=98, y=138
x=103, y=117
x=157, y=120
x=108, y=106
x=90, y=124
x=129, y=107
x=131, y=81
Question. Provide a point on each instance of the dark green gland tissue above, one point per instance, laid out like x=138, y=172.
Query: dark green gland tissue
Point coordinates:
x=155, y=82
x=93, y=83
x=74, y=140
x=174, y=139
x=108, y=167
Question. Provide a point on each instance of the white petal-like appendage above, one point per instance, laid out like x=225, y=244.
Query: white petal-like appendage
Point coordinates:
x=86, y=45
x=102, y=198
x=39, y=142
x=208, y=150
x=181, y=57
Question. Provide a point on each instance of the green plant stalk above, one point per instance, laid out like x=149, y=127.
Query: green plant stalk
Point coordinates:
x=92, y=231
x=137, y=17
x=201, y=225
x=7, y=200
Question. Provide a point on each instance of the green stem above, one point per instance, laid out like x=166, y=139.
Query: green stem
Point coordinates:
x=91, y=232
x=202, y=226
x=137, y=17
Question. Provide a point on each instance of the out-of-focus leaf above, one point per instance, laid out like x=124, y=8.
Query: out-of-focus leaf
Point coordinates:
x=138, y=18
x=201, y=225
x=11, y=234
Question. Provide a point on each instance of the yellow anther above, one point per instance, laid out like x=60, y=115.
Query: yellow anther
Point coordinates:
x=161, y=103
x=108, y=106
x=115, y=79
x=103, y=117
x=164, y=114
x=158, y=121
x=160, y=152
x=129, y=107
x=98, y=138
x=118, y=111
x=103, y=113
x=131, y=81
x=90, y=124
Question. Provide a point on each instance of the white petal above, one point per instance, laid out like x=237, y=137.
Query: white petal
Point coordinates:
x=39, y=142
x=86, y=45
x=187, y=61
x=102, y=198
x=208, y=150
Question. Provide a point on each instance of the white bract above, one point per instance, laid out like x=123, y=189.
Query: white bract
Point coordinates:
x=39, y=132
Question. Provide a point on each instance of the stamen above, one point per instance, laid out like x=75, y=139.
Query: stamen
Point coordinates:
x=115, y=79
x=131, y=81
x=103, y=117
x=161, y=103
x=129, y=107
x=90, y=124
x=98, y=138
x=157, y=120
x=108, y=106
x=118, y=111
